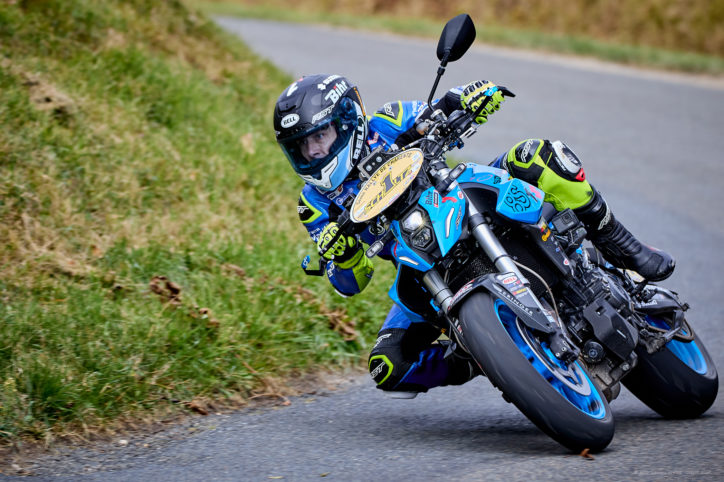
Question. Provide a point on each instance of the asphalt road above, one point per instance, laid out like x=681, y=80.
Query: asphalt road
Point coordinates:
x=653, y=143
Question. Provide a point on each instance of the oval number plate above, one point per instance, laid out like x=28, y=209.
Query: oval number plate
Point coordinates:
x=386, y=185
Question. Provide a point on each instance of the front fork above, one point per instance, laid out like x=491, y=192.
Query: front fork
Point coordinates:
x=483, y=234
x=490, y=244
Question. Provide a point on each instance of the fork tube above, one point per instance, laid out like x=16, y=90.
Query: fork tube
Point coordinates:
x=490, y=244
x=439, y=289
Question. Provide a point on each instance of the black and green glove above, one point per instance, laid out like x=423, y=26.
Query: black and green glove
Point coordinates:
x=346, y=251
x=482, y=91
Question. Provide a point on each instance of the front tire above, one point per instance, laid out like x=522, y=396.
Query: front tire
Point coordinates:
x=680, y=381
x=560, y=400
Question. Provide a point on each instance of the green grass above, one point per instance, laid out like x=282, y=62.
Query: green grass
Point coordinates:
x=491, y=34
x=136, y=142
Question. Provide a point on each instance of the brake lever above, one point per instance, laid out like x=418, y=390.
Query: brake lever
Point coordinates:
x=488, y=97
x=313, y=272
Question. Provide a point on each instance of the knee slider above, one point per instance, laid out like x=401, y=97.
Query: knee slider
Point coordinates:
x=564, y=162
x=387, y=365
x=529, y=158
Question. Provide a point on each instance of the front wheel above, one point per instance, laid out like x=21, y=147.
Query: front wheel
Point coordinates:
x=560, y=400
x=680, y=381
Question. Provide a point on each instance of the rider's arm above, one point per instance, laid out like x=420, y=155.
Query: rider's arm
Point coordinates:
x=392, y=120
x=350, y=276
x=468, y=97
x=448, y=104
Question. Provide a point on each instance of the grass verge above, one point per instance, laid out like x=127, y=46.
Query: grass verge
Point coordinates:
x=149, y=245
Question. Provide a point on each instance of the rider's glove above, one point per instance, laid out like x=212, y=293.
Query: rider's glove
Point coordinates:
x=346, y=252
x=479, y=92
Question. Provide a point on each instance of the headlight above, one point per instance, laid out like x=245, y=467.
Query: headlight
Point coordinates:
x=422, y=239
x=413, y=221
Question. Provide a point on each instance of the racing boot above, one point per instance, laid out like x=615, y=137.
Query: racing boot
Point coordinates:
x=619, y=246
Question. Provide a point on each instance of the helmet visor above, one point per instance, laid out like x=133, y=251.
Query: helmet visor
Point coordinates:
x=312, y=150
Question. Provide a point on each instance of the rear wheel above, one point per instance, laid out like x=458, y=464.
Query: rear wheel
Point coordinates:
x=679, y=381
x=560, y=399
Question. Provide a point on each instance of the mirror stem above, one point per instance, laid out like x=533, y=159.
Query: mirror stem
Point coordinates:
x=440, y=72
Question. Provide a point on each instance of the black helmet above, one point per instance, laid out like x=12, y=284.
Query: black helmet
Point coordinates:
x=328, y=109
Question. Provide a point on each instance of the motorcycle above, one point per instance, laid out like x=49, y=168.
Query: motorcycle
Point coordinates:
x=508, y=280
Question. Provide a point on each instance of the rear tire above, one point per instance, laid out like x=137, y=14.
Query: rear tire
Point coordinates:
x=679, y=381
x=562, y=401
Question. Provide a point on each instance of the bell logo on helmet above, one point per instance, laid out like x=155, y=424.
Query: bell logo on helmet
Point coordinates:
x=359, y=144
x=290, y=120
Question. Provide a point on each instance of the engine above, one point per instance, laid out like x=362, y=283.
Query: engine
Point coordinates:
x=597, y=311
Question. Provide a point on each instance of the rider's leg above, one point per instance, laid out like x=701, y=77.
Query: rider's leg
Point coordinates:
x=405, y=359
x=555, y=169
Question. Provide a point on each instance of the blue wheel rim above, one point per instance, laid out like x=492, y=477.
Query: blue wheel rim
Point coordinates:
x=591, y=404
x=688, y=352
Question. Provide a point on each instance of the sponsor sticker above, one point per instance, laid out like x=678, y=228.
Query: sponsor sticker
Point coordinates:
x=290, y=120
x=462, y=291
x=378, y=369
x=322, y=114
x=337, y=91
x=323, y=85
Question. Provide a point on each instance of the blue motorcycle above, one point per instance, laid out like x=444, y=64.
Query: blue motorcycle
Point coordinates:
x=507, y=278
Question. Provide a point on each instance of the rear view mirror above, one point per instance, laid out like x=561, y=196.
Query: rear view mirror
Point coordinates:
x=456, y=38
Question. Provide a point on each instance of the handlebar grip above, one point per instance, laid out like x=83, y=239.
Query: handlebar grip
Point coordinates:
x=345, y=225
x=482, y=106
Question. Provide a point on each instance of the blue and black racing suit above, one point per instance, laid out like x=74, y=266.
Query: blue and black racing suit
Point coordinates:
x=404, y=357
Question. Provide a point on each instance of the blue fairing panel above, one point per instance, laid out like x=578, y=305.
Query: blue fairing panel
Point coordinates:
x=404, y=254
x=520, y=201
x=481, y=174
x=517, y=199
x=446, y=213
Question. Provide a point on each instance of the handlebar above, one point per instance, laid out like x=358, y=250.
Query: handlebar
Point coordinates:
x=440, y=135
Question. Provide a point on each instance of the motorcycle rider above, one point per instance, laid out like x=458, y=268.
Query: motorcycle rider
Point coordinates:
x=323, y=129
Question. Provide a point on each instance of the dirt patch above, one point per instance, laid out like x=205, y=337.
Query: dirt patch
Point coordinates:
x=44, y=95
